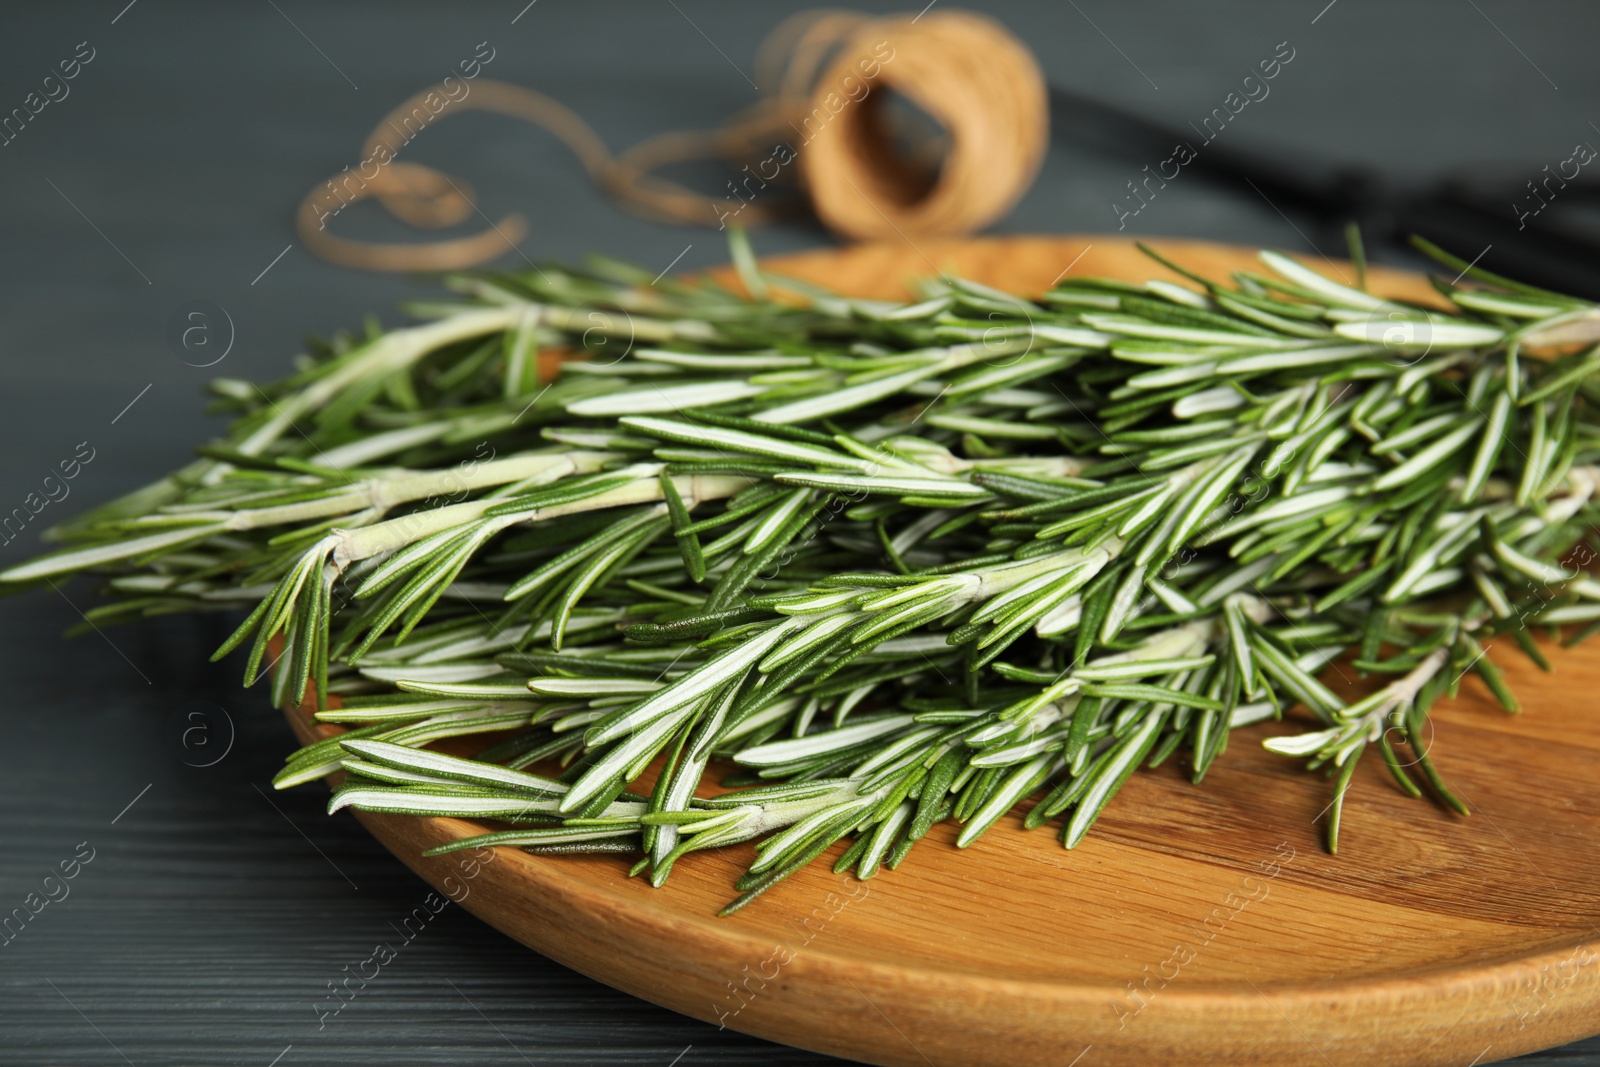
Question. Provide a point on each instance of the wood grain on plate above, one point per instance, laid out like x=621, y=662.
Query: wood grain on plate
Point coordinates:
x=1195, y=925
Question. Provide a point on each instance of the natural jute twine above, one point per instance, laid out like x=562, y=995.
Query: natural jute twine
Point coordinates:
x=822, y=120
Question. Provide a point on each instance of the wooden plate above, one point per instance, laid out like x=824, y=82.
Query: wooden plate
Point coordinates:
x=1196, y=925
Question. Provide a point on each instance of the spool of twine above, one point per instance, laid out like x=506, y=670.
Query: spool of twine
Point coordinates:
x=823, y=127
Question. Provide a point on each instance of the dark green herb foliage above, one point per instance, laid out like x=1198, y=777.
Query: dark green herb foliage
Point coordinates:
x=899, y=564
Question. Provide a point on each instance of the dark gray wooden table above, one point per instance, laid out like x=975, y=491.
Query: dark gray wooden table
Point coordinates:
x=214, y=914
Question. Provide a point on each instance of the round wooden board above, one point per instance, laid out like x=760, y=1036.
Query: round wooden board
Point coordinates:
x=1196, y=924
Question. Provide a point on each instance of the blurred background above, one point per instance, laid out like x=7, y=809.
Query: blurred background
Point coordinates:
x=167, y=171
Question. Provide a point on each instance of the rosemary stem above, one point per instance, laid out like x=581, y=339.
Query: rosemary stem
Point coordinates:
x=392, y=352
x=1002, y=578
x=383, y=493
x=351, y=546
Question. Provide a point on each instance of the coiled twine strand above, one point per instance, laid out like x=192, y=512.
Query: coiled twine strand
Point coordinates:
x=823, y=123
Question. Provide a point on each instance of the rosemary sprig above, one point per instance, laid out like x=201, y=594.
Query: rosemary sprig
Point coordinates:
x=900, y=563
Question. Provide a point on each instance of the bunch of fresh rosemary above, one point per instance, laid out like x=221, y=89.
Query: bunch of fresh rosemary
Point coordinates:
x=901, y=563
